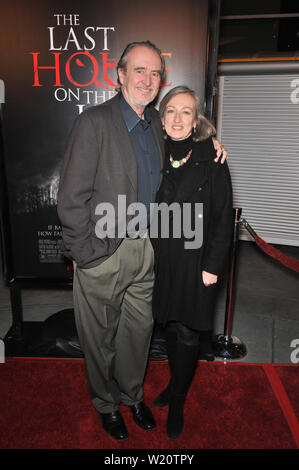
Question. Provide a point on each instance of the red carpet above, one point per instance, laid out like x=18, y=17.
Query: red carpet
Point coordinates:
x=44, y=404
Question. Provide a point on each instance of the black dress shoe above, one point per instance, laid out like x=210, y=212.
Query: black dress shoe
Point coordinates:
x=114, y=425
x=142, y=416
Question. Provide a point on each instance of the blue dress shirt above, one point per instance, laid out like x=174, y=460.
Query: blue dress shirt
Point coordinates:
x=146, y=152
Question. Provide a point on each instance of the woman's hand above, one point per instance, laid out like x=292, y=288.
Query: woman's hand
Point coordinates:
x=220, y=150
x=208, y=278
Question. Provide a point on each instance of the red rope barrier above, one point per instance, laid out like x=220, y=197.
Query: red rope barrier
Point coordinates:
x=275, y=253
x=270, y=250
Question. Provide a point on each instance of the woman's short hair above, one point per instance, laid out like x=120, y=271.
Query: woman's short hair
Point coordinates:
x=122, y=63
x=204, y=128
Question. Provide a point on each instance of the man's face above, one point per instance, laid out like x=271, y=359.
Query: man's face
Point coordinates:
x=140, y=80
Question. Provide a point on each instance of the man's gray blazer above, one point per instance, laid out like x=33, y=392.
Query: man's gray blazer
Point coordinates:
x=99, y=164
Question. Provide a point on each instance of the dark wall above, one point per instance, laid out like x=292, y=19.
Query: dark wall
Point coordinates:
x=269, y=35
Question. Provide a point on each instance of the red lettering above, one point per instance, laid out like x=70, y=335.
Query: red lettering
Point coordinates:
x=74, y=61
x=95, y=70
x=106, y=65
x=36, y=68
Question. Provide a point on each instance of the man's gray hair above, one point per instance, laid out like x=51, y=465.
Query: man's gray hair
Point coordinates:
x=204, y=128
x=122, y=63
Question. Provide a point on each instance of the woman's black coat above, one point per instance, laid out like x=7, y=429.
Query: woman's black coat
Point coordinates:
x=179, y=293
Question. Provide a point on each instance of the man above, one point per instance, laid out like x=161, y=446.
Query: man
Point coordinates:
x=115, y=149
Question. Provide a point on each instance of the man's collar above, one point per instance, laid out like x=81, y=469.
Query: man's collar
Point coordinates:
x=130, y=116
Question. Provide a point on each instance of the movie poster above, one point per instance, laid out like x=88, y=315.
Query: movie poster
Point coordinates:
x=56, y=59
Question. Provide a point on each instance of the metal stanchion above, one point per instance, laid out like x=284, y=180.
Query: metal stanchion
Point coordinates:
x=227, y=346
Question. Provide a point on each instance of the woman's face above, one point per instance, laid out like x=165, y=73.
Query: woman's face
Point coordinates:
x=179, y=116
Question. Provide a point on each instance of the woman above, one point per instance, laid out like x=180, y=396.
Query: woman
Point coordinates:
x=186, y=278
